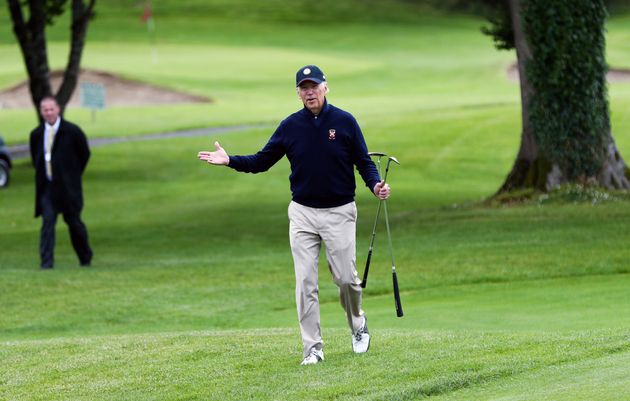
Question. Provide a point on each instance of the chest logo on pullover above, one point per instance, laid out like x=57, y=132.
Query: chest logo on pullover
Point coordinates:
x=331, y=134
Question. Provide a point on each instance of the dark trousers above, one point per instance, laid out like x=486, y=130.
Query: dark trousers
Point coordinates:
x=78, y=233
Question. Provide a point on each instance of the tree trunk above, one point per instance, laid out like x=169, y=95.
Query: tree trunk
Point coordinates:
x=614, y=172
x=31, y=36
x=531, y=168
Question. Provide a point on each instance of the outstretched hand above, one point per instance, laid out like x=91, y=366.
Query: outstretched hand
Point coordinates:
x=218, y=157
x=381, y=190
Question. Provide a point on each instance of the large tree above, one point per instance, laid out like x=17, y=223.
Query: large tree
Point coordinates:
x=30, y=18
x=566, y=135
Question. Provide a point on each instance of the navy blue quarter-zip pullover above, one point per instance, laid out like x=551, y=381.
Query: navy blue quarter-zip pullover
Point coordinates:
x=322, y=151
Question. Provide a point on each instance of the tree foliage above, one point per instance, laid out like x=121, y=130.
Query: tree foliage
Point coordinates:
x=53, y=9
x=497, y=12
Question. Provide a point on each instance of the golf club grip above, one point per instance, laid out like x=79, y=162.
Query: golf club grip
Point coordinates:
x=399, y=311
x=367, y=269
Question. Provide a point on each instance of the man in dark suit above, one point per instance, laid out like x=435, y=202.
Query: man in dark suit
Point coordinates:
x=60, y=152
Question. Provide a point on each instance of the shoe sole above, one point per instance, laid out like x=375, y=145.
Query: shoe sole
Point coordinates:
x=313, y=363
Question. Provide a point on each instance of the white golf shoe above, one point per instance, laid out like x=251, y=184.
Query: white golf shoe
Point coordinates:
x=361, y=339
x=316, y=356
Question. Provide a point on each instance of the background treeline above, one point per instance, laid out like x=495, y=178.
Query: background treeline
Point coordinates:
x=324, y=11
x=479, y=7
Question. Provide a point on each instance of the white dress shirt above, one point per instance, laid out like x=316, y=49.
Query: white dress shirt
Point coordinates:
x=50, y=132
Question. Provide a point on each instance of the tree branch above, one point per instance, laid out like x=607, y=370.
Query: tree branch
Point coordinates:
x=32, y=39
x=19, y=27
x=81, y=15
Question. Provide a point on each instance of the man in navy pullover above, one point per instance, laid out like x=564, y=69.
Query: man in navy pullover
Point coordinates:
x=323, y=144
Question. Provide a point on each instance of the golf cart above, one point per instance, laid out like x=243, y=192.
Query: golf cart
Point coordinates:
x=5, y=164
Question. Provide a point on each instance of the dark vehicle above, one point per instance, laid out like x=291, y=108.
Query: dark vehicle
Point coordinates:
x=5, y=164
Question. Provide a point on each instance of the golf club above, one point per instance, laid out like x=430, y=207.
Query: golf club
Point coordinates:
x=378, y=212
x=399, y=311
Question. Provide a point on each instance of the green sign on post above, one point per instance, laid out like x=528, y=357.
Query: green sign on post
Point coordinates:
x=92, y=97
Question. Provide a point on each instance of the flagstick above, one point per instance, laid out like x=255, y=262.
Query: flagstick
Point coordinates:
x=151, y=29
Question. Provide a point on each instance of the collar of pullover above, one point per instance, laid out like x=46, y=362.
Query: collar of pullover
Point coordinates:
x=321, y=113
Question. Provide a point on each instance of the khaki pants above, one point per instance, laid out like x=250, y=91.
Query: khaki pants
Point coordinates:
x=337, y=228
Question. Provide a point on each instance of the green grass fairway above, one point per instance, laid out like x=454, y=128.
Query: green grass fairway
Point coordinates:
x=403, y=365
x=191, y=293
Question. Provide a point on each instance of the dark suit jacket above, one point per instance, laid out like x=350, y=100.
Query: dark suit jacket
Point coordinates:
x=70, y=154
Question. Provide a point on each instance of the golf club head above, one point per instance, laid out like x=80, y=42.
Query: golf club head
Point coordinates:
x=389, y=160
x=379, y=155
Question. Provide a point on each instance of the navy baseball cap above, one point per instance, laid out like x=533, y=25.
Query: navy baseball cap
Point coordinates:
x=309, y=73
